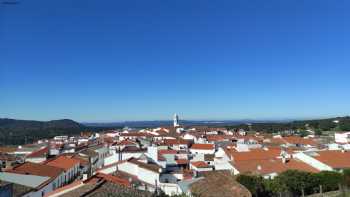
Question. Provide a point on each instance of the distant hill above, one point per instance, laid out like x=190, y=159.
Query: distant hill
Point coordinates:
x=319, y=125
x=157, y=123
x=328, y=124
x=14, y=131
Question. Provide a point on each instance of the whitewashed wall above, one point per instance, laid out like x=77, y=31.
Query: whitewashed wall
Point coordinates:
x=312, y=162
x=170, y=188
x=148, y=176
x=200, y=151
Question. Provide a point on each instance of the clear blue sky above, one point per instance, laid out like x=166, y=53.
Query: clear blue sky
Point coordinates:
x=94, y=60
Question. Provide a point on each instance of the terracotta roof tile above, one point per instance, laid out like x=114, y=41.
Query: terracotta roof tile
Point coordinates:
x=182, y=161
x=38, y=170
x=268, y=166
x=114, y=179
x=215, y=138
x=63, y=162
x=334, y=159
x=200, y=164
x=40, y=153
x=254, y=154
x=203, y=146
x=170, y=142
x=167, y=152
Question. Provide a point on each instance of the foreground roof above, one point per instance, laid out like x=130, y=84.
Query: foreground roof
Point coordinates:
x=63, y=162
x=37, y=169
x=334, y=159
x=151, y=167
x=219, y=184
x=31, y=181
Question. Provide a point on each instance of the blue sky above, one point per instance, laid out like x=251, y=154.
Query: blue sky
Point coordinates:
x=145, y=60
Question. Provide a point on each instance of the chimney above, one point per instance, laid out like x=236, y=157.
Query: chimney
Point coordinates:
x=284, y=159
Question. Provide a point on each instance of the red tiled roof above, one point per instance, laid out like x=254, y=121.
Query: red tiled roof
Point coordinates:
x=38, y=170
x=170, y=142
x=40, y=153
x=81, y=159
x=254, y=154
x=334, y=159
x=202, y=146
x=114, y=179
x=182, y=161
x=268, y=166
x=63, y=162
x=200, y=164
x=214, y=138
x=167, y=151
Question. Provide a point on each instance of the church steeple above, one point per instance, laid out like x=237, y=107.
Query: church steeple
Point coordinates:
x=176, y=120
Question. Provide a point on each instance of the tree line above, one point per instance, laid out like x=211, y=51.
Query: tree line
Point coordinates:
x=294, y=183
x=319, y=125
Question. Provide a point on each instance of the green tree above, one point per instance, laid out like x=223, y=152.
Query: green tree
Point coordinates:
x=329, y=180
x=346, y=177
x=298, y=183
x=253, y=183
x=303, y=133
x=318, y=132
x=275, y=187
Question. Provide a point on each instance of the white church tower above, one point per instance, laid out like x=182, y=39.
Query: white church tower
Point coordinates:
x=176, y=120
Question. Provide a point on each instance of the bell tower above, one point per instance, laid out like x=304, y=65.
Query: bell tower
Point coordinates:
x=176, y=120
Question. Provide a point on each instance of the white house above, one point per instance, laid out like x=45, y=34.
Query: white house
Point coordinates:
x=202, y=149
x=69, y=166
x=342, y=138
x=38, y=156
x=41, y=178
x=145, y=172
x=200, y=166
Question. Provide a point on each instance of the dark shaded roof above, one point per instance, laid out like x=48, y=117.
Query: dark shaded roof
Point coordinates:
x=79, y=191
x=7, y=157
x=219, y=184
x=17, y=189
x=38, y=170
x=107, y=189
x=104, y=188
x=89, y=152
x=209, y=157
x=148, y=166
x=133, y=149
